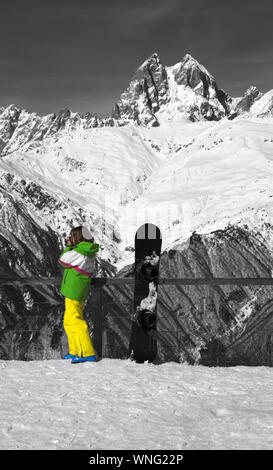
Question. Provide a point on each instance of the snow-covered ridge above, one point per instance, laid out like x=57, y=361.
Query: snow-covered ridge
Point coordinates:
x=21, y=130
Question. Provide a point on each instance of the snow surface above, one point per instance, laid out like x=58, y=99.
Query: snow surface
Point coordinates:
x=118, y=404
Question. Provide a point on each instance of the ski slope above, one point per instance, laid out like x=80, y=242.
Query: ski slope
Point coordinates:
x=118, y=404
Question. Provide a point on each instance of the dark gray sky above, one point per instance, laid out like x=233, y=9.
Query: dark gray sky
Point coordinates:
x=81, y=54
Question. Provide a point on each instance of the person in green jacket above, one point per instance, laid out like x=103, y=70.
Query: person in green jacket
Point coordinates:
x=78, y=260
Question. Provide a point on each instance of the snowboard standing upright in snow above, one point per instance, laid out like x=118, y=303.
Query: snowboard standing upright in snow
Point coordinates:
x=143, y=341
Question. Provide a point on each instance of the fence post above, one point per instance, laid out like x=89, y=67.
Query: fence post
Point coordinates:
x=97, y=318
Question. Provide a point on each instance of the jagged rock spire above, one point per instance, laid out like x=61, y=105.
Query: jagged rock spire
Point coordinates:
x=154, y=85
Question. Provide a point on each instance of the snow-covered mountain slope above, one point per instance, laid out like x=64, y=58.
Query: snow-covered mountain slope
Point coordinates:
x=86, y=176
x=213, y=174
x=184, y=177
x=264, y=106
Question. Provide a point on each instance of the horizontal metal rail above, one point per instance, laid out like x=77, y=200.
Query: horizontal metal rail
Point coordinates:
x=102, y=281
x=243, y=281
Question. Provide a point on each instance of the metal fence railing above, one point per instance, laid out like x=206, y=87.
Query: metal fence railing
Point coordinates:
x=107, y=307
x=102, y=281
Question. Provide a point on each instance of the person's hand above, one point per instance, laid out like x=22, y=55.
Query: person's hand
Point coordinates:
x=68, y=240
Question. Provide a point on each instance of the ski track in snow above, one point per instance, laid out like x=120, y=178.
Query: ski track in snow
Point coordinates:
x=118, y=404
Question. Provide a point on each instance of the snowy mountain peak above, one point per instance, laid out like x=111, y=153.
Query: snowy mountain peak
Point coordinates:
x=189, y=72
x=147, y=91
x=190, y=62
x=154, y=59
x=10, y=113
x=244, y=104
x=252, y=90
x=157, y=94
x=12, y=108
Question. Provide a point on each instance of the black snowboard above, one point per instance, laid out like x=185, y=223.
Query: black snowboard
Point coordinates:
x=143, y=341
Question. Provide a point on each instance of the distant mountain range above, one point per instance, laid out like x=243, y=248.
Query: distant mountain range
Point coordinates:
x=156, y=94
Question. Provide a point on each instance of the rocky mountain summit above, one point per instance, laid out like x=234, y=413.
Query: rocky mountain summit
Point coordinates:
x=157, y=93
x=244, y=104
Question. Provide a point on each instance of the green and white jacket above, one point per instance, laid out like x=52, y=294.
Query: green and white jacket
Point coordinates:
x=79, y=264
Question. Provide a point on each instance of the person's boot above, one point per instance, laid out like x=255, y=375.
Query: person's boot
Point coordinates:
x=69, y=356
x=78, y=359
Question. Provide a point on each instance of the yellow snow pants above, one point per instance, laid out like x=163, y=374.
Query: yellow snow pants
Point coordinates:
x=76, y=328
